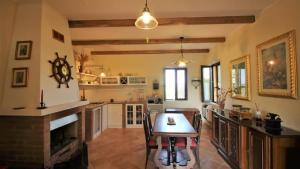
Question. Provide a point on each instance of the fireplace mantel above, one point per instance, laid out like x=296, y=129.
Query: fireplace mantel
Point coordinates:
x=41, y=112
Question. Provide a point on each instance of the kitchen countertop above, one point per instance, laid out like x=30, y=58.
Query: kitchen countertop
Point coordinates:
x=258, y=126
x=93, y=105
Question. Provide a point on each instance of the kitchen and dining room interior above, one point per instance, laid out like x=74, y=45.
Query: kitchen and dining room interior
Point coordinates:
x=148, y=84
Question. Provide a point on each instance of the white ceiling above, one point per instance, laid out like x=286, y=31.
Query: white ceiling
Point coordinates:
x=129, y=9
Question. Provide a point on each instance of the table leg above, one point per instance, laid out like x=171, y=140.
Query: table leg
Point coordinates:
x=156, y=157
x=191, y=163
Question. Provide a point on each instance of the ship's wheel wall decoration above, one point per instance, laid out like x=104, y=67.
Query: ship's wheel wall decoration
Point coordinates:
x=61, y=70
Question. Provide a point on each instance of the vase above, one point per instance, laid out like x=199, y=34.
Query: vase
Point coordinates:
x=221, y=105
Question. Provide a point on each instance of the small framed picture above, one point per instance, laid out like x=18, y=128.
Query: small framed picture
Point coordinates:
x=20, y=77
x=23, y=50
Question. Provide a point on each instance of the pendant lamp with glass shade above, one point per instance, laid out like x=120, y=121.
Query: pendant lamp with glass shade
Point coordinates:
x=146, y=20
x=182, y=62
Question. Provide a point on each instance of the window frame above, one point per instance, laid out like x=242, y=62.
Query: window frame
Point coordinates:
x=186, y=84
x=214, y=82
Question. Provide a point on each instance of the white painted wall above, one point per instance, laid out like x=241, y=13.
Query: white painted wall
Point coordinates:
x=34, y=20
x=279, y=18
x=51, y=19
x=150, y=66
x=27, y=26
x=7, y=15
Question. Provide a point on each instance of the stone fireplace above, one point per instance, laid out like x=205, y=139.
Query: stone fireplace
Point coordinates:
x=41, y=141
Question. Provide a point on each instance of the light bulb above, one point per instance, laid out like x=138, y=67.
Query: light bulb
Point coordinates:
x=181, y=63
x=102, y=74
x=146, y=17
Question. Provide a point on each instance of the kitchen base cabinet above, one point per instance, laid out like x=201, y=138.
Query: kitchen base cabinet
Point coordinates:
x=93, y=121
x=115, y=115
x=104, y=117
x=134, y=114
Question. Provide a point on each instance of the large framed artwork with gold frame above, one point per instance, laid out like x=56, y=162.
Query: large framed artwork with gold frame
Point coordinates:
x=277, y=67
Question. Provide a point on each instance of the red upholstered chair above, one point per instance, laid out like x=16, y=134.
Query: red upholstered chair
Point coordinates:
x=151, y=140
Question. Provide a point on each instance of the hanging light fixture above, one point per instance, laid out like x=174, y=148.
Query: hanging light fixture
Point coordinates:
x=146, y=20
x=181, y=62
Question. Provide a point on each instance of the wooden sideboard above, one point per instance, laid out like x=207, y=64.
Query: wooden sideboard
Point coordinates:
x=245, y=144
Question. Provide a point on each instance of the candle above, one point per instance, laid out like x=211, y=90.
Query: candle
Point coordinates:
x=83, y=93
x=42, y=96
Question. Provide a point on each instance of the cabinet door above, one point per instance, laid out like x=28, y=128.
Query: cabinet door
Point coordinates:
x=139, y=111
x=233, y=147
x=215, y=128
x=104, y=117
x=97, y=120
x=223, y=135
x=115, y=115
x=256, y=150
x=129, y=115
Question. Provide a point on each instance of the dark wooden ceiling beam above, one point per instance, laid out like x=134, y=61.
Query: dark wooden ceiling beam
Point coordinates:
x=149, y=52
x=164, y=21
x=150, y=41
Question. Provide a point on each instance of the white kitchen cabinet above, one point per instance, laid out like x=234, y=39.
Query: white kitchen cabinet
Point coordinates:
x=134, y=115
x=93, y=121
x=104, y=117
x=115, y=112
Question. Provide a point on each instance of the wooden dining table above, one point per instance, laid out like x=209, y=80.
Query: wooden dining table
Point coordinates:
x=181, y=128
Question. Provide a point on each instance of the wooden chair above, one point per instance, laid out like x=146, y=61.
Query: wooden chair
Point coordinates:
x=149, y=122
x=181, y=141
x=150, y=139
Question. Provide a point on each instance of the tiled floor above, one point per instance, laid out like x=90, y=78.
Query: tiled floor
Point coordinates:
x=125, y=149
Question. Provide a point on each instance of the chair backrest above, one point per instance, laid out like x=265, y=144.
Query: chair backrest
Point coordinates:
x=197, y=122
x=146, y=129
x=149, y=123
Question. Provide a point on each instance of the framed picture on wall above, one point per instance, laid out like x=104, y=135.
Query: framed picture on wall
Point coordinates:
x=276, y=60
x=23, y=50
x=19, y=77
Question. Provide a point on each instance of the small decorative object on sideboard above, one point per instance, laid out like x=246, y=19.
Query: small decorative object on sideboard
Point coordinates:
x=245, y=113
x=273, y=123
x=236, y=107
x=222, y=94
x=257, y=113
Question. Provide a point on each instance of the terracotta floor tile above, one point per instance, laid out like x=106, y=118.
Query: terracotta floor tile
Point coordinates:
x=125, y=149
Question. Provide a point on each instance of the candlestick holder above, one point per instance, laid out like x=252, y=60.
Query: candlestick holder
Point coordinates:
x=83, y=98
x=42, y=106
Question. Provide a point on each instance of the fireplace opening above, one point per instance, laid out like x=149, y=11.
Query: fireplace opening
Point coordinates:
x=64, y=131
x=61, y=137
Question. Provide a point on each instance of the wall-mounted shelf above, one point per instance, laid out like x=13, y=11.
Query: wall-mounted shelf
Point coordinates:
x=123, y=80
x=87, y=74
x=116, y=80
